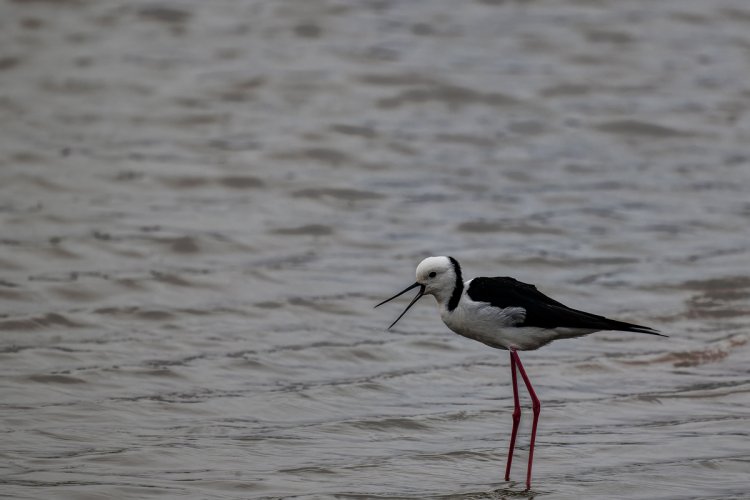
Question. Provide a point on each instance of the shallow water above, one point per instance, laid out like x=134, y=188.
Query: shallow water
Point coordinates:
x=202, y=201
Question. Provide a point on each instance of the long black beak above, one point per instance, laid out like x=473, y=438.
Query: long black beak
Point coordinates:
x=419, y=295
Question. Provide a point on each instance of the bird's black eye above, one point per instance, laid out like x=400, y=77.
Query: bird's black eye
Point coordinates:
x=432, y=274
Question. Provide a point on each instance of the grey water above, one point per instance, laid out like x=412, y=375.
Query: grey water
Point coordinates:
x=200, y=203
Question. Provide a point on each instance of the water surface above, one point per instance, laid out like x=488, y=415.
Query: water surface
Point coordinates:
x=200, y=203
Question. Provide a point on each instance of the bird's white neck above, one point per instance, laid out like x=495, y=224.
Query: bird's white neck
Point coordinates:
x=443, y=296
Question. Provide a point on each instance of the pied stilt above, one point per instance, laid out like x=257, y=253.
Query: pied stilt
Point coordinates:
x=505, y=313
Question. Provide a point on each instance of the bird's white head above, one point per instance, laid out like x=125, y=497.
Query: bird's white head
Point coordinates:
x=438, y=276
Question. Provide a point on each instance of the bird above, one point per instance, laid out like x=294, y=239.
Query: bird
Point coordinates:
x=507, y=314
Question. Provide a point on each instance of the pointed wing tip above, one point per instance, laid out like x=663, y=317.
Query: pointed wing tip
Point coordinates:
x=651, y=331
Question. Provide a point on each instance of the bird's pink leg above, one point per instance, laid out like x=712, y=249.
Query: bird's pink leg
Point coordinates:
x=536, y=407
x=516, y=416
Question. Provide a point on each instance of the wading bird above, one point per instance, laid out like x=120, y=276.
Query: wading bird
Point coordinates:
x=505, y=313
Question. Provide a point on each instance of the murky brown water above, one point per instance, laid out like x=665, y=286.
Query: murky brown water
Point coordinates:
x=202, y=201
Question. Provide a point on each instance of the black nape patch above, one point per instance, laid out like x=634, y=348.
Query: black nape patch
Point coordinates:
x=458, y=289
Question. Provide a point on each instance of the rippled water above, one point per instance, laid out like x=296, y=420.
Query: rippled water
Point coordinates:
x=202, y=201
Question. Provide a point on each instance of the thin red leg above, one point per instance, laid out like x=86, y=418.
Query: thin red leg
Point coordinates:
x=537, y=407
x=516, y=416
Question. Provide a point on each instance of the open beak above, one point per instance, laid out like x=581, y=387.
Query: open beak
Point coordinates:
x=419, y=295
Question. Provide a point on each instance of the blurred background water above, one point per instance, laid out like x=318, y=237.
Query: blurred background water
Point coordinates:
x=200, y=202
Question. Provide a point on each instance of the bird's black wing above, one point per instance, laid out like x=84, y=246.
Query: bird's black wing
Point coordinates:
x=542, y=311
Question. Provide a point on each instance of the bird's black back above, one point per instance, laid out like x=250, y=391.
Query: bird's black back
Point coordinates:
x=542, y=311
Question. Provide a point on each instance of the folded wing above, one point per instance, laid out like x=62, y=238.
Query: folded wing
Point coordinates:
x=542, y=311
